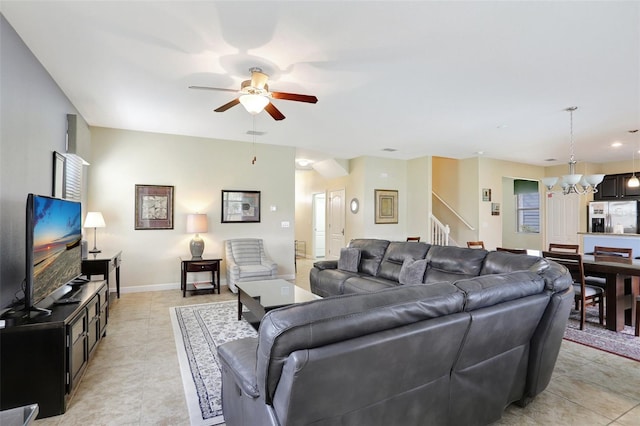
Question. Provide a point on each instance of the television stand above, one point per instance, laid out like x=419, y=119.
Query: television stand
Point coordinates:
x=43, y=357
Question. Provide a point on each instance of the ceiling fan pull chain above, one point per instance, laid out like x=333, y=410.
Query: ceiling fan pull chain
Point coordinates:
x=253, y=161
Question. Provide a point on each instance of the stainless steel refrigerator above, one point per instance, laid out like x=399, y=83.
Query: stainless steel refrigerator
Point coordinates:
x=613, y=217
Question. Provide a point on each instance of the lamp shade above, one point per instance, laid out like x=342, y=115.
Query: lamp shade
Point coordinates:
x=94, y=220
x=254, y=104
x=197, y=223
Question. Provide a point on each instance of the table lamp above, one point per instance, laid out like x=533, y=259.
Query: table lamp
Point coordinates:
x=196, y=223
x=94, y=220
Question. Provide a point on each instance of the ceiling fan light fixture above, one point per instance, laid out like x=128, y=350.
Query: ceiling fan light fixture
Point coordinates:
x=254, y=104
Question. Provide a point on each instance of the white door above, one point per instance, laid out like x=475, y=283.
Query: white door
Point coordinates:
x=563, y=218
x=335, y=225
x=319, y=221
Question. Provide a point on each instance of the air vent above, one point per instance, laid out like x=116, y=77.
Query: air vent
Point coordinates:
x=255, y=133
x=389, y=149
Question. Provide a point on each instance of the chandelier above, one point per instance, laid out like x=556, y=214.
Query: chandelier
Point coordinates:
x=574, y=183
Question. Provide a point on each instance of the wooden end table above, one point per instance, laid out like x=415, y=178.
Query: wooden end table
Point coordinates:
x=203, y=264
x=102, y=264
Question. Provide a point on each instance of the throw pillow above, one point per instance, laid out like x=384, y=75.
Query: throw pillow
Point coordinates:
x=349, y=259
x=412, y=271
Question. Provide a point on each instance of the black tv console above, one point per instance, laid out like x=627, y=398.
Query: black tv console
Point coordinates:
x=43, y=357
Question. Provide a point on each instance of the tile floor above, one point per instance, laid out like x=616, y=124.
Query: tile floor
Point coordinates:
x=134, y=378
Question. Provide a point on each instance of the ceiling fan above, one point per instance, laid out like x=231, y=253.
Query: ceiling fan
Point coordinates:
x=255, y=96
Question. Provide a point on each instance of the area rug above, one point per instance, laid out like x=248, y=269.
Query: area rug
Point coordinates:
x=199, y=330
x=623, y=343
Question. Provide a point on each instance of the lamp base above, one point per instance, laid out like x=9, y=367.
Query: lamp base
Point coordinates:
x=95, y=250
x=196, y=246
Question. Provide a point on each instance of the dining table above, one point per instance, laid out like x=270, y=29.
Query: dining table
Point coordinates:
x=619, y=299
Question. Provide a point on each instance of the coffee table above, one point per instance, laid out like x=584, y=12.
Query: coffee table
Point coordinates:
x=263, y=296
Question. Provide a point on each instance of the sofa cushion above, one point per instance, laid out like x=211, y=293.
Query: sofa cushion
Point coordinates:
x=371, y=253
x=366, y=284
x=396, y=254
x=450, y=263
x=499, y=262
x=326, y=321
x=412, y=271
x=489, y=290
x=349, y=259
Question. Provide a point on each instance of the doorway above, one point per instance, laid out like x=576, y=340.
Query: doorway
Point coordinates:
x=336, y=216
x=319, y=221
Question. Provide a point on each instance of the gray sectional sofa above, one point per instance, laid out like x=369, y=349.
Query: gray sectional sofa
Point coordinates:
x=480, y=331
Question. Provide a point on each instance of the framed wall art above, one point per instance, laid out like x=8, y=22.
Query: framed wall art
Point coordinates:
x=386, y=205
x=240, y=206
x=486, y=194
x=154, y=207
x=58, y=175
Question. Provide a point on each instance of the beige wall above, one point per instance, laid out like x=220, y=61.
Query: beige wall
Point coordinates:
x=198, y=169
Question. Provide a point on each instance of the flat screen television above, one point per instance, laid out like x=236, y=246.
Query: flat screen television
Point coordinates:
x=53, y=250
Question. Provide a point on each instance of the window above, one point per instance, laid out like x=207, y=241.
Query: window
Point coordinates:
x=527, y=206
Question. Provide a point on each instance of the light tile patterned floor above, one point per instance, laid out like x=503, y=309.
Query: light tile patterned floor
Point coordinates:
x=134, y=378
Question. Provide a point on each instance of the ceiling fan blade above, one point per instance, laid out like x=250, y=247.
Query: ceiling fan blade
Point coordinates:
x=228, y=105
x=294, y=97
x=274, y=112
x=212, y=88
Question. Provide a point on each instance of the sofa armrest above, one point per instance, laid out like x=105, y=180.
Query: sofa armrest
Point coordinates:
x=240, y=357
x=326, y=264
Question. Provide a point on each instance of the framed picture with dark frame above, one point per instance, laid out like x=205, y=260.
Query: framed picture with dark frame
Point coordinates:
x=240, y=206
x=386, y=205
x=58, y=187
x=154, y=207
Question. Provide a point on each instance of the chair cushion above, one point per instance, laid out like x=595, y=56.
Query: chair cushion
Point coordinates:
x=252, y=271
x=397, y=252
x=349, y=259
x=412, y=271
x=588, y=290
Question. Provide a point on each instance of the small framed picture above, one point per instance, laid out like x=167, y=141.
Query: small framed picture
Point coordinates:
x=486, y=194
x=386, y=205
x=154, y=207
x=495, y=209
x=240, y=206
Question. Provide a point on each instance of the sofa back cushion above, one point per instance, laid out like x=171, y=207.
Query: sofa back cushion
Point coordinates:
x=451, y=263
x=500, y=262
x=396, y=254
x=245, y=251
x=489, y=290
x=371, y=253
x=326, y=321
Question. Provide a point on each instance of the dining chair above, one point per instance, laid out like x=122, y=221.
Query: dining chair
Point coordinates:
x=584, y=294
x=417, y=239
x=564, y=248
x=613, y=254
x=475, y=244
x=512, y=250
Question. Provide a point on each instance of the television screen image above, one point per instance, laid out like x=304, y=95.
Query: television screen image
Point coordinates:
x=56, y=256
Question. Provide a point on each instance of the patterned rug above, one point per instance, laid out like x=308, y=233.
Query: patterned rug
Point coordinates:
x=623, y=343
x=199, y=330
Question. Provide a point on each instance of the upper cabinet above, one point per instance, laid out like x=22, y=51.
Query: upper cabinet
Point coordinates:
x=614, y=187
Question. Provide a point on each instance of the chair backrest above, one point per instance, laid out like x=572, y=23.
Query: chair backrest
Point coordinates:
x=413, y=239
x=613, y=254
x=512, y=250
x=245, y=251
x=564, y=248
x=475, y=244
x=572, y=261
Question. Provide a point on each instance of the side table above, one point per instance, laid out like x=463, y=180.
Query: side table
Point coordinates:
x=203, y=264
x=102, y=264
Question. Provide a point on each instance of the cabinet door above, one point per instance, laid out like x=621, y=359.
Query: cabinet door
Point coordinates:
x=78, y=351
x=93, y=330
x=627, y=192
x=608, y=189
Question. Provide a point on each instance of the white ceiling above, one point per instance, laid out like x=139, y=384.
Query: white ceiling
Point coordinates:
x=425, y=78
